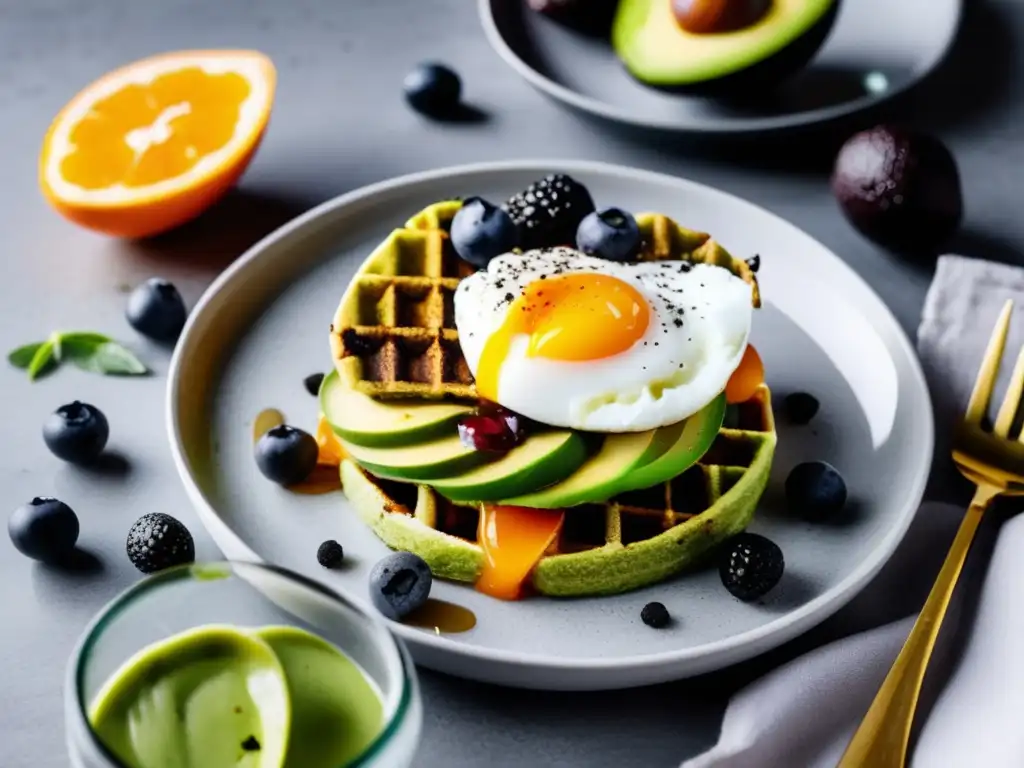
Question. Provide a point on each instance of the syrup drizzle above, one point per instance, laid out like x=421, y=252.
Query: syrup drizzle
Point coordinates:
x=442, y=617
x=266, y=420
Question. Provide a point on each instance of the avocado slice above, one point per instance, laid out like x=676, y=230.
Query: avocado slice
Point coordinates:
x=621, y=462
x=696, y=435
x=598, y=478
x=541, y=460
x=363, y=420
x=423, y=461
x=658, y=52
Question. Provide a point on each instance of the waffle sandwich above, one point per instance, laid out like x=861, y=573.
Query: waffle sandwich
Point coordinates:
x=401, y=379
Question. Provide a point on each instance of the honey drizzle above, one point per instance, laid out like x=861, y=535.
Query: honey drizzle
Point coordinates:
x=442, y=617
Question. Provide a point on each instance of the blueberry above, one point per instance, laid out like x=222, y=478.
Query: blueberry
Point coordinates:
x=76, y=432
x=815, y=490
x=609, y=234
x=44, y=529
x=432, y=89
x=157, y=541
x=156, y=309
x=655, y=615
x=330, y=554
x=399, y=584
x=800, y=407
x=750, y=566
x=286, y=454
x=481, y=231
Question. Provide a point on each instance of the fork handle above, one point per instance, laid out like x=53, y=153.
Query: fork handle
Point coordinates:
x=882, y=738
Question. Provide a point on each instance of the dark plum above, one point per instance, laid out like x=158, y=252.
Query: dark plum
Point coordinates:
x=900, y=188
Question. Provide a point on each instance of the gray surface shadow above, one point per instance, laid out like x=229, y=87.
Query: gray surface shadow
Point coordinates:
x=974, y=79
x=222, y=234
x=640, y=718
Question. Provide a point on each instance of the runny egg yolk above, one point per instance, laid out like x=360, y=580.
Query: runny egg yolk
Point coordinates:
x=573, y=317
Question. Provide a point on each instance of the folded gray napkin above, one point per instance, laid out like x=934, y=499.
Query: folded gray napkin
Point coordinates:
x=804, y=713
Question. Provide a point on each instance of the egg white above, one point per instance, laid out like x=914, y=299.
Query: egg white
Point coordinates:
x=700, y=317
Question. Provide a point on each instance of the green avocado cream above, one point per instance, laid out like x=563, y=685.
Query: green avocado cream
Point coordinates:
x=221, y=696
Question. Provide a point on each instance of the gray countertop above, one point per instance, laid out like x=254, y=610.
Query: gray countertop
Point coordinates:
x=340, y=122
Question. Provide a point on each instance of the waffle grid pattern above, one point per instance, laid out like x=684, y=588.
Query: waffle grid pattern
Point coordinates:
x=627, y=519
x=397, y=316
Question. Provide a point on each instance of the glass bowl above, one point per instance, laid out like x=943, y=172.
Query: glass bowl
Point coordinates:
x=243, y=594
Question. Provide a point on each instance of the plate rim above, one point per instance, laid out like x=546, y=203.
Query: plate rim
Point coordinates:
x=675, y=663
x=790, y=121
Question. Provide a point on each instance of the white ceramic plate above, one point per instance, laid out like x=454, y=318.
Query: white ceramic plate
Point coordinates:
x=263, y=326
x=876, y=50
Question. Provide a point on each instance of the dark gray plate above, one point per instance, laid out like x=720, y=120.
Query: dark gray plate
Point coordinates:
x=263, y=326
x=877, y=49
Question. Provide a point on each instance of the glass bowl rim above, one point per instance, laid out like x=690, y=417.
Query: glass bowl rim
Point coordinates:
x=74, y=682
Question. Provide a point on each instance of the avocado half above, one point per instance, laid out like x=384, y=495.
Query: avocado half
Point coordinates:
x=659, y=53
x=722, y=498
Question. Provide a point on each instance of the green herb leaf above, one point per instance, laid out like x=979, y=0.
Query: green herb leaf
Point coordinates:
x=106, y=357
x=57, y=351
x=41, y=361
x=83, y=337
x=80, y=347
x=22, y=356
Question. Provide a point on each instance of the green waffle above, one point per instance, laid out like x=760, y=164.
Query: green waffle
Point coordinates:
x=631, y=541
x=397, y=315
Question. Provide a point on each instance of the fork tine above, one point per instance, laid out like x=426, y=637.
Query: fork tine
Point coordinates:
x=1012, y=400
x=986, y=380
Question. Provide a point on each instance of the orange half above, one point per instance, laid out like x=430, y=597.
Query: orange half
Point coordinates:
x=152, y=144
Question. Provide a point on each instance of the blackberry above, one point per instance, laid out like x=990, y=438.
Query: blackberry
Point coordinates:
x=330, y=554
x=549, y=211
x=750, y=566
x=157, y=541
x=655, y=615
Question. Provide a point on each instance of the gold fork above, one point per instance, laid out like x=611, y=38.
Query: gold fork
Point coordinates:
x=995, y=464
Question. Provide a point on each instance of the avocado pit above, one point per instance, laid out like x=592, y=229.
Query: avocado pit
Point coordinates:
x=709, y=17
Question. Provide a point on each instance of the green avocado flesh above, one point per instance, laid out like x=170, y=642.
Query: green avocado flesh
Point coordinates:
x=657, y=51
x=541, y=460
x=363, y=420
x=336, y=712
x=611, y=470
x=442, y=458
x=733, y=494
x=696, y=435
x=219, y=696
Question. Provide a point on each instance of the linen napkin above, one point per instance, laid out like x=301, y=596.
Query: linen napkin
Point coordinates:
x=802, y=714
